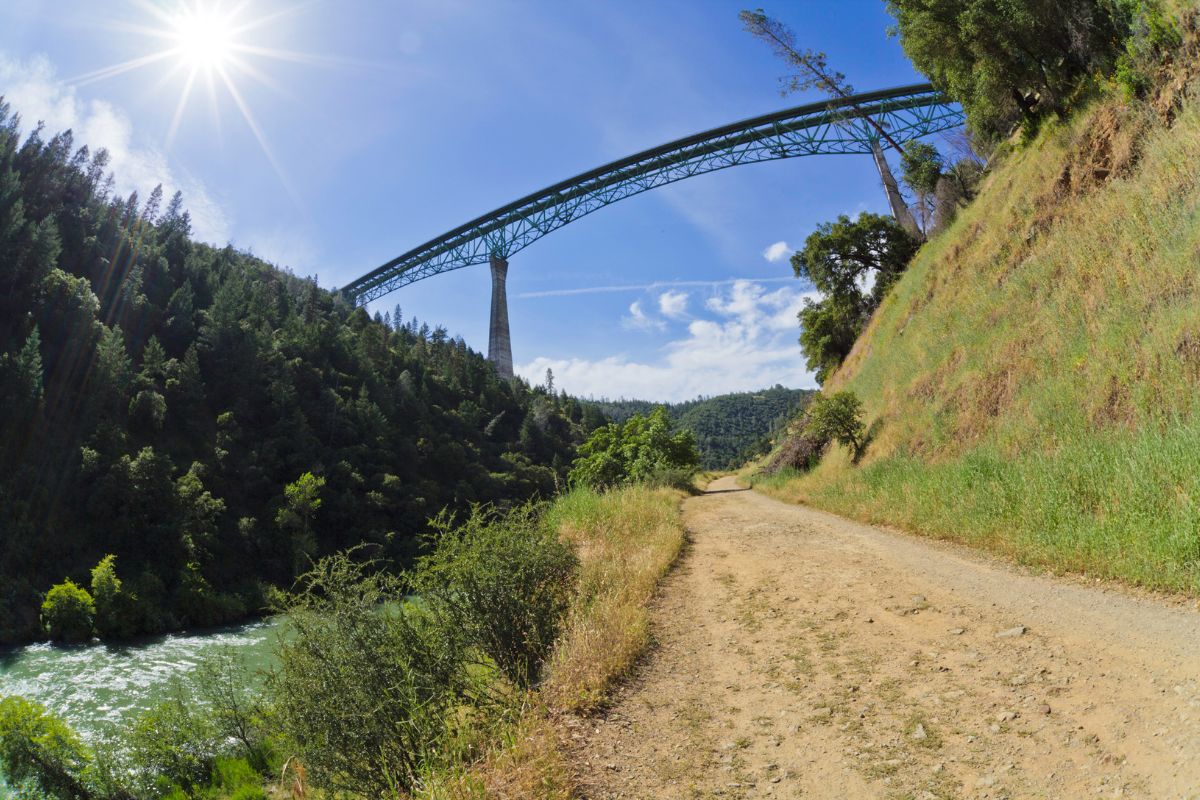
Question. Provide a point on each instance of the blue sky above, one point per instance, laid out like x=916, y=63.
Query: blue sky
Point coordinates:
x=378, y=125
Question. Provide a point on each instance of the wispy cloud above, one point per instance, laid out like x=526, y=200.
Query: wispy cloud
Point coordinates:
x=643, y=287
x=745, y=341
x=777, y=252
x=37, y=93
x=673, y=305
x=639, y=320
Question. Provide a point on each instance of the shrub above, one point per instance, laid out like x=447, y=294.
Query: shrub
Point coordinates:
x=366, y=686
x=503, y=582
x=634, y=452
x=40, y=751
x=68, y=613
x=838, y=417
x=175, y=743
x=800, y=452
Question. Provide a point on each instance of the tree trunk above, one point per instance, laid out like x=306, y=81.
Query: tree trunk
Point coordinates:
x=895, y=199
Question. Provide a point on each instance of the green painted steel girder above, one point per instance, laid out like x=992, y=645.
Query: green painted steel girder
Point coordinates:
x=830, y=127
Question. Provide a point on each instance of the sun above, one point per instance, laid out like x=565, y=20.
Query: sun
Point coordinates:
x=205, y=37
x=211, y=45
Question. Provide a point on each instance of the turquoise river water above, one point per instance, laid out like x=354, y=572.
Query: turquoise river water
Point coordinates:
x=95, y=685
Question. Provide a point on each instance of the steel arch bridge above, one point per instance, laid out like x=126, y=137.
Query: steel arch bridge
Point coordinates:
x=841, y=126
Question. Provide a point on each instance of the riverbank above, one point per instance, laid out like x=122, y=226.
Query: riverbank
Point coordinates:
x=626, y=541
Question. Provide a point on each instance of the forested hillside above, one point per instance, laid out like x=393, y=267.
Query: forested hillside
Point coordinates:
x=214, y=422
x=730, y=428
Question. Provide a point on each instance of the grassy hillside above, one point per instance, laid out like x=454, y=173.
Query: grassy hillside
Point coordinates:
x=729, y=428
x=1032, y=379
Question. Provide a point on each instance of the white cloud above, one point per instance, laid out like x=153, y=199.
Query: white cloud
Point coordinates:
x=777, y=252
x=35, y=92
x=673, y=305
x=639, y=320
x=748, y=342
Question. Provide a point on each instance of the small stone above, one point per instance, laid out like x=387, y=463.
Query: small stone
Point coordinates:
x=1012, y=633
x=870, y=619
x=775, y=779
x=1045, y=709
x=919, y=732
x=1006, y=716
x=957, y=631
x=918, y=598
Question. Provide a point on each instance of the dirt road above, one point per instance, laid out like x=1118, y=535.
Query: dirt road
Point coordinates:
x=800, y=655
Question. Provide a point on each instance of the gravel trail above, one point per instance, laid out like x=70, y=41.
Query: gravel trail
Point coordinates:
x=801, y=655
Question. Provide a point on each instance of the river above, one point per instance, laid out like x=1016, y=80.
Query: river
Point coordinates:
x=94, y=685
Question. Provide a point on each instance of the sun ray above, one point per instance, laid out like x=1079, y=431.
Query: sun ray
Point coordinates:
x=296, y=57
x=246, y=68
x=231, y=87
x=209, y=44
x=117, y=69
x=177, y=117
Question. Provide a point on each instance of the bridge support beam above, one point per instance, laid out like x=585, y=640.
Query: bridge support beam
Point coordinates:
x=499, y=342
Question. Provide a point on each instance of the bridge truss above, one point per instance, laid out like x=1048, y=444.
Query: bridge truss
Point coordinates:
x=829, y=127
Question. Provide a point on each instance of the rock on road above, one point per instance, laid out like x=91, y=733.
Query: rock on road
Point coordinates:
x=801, y=655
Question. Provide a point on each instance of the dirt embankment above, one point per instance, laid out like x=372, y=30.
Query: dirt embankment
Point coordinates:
x=801, y=655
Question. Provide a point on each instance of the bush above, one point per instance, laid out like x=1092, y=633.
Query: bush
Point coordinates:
x=838, y=417
x=366, y=686
x=68, y=613
x=800, y=452
x=634, y=452
x=40, y=751
x=503, y=582
x=174, y=744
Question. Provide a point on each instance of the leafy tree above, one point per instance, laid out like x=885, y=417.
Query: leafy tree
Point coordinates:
x=922, y=169
x=841, y=259
x=199, y=512
x=1011, y=60
x=640, y=449
x=838, y=417
x=115, y=613
x=302, y=500
x=68, y=612
x=840, y=256
x=828, y=330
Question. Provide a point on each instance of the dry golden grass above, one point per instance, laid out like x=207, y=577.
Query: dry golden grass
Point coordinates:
x=529, y=764
x=626, y=539
x=1034, y=373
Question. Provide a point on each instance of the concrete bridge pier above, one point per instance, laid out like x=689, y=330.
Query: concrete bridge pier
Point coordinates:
x=499, y=342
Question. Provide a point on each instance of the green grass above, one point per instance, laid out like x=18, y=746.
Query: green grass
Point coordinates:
x=626, y=540
x=1035, y=373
